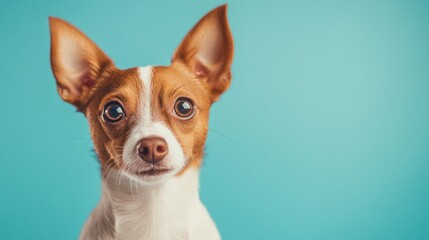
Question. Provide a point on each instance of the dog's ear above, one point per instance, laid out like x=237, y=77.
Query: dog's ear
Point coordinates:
x=207, y=50
x=76, y=62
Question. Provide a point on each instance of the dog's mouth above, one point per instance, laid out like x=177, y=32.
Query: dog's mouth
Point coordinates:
x=153, y=172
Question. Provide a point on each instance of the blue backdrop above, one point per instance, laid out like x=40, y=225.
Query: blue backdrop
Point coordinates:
x=324, y=133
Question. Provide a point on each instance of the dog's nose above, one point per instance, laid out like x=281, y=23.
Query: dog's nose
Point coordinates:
x=152, y=150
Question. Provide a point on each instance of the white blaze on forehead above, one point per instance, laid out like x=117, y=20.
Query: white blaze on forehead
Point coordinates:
x=146, y=77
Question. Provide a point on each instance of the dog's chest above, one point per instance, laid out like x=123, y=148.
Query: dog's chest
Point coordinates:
x=156, y=212
x=151, y=220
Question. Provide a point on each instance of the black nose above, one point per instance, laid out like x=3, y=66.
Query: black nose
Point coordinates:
x=152, y=150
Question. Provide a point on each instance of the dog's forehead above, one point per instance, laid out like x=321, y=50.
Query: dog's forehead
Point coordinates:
x=173, y=77
x=114, y=84
x=164, y=82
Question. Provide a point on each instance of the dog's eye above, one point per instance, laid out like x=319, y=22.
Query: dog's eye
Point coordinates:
x=113, y=112
x=184, y=108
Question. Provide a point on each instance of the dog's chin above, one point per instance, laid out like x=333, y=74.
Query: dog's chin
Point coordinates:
x=154, y=175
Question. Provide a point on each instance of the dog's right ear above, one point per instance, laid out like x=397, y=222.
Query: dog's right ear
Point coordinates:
x=76, y=62
x=207, y=50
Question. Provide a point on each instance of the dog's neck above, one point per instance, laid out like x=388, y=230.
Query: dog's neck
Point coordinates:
x=161, y=211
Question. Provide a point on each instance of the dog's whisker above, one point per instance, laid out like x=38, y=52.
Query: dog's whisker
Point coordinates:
x=84, y=149
x=220, y=134
x=108, y=169
x=137, y=189
x=131, y=189
x=73, y=139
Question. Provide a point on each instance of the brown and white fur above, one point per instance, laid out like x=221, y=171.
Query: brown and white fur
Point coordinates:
x=141, y=199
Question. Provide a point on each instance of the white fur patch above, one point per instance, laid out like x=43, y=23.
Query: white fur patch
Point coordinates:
x=147, y=127
x=146, y=77
x=168, y=211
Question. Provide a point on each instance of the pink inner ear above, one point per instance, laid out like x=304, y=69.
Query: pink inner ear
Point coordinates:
x=211, y=52
x=87, y=81
x=77, y=69
x=84, y=79
x=201, y=70
x=212, y=47
x=83, y=68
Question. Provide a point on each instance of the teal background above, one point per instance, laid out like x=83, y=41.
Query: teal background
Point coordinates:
x=324, y=133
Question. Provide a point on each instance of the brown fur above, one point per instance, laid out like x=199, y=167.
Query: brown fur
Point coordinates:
x=125, y=87
x=170, y=83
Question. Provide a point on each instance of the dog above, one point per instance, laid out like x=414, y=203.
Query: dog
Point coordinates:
x=149, y=127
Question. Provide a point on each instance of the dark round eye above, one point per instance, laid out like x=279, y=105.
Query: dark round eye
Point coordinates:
x=113, y=112
x=184, y=108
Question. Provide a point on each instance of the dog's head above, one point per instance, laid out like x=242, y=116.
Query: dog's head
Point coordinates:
x=150, y=123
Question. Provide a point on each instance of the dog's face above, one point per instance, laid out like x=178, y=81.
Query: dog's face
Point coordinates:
x=150, y=123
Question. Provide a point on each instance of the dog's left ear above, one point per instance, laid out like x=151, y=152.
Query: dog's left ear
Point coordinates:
x=207, y=51
x=76, y=62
